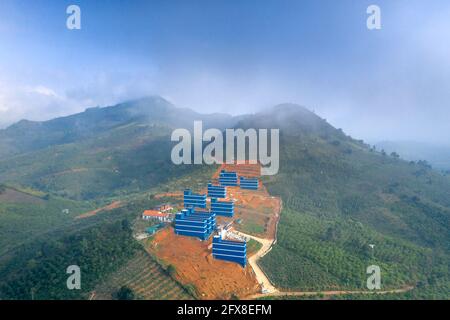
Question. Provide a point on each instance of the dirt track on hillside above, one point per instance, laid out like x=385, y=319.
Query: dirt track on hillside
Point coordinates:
x=169, y=195
x=114, y=205
x=263, y=280
x=327, y=293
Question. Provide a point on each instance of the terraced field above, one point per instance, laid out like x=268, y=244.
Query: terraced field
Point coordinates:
x=147, y=279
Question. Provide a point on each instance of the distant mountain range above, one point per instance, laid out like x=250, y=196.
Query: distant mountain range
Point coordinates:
x=25, y=136
x=339, y=195
x=437, y=155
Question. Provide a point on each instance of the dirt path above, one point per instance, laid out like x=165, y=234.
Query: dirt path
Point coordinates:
x=260, y=275
x=267, y=243
x=328, y=293
x=169, y=195
x=114, y=205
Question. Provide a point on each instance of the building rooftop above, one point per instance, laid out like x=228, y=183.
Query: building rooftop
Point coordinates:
x=154, y=213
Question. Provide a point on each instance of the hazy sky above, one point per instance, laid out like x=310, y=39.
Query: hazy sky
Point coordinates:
x=234, y=56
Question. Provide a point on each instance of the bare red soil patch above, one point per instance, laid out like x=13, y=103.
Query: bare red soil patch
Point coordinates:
x=169, y=195
x=114, y=205
x=192, y=258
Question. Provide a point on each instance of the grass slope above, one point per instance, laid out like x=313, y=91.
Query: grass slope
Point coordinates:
x=340, y=196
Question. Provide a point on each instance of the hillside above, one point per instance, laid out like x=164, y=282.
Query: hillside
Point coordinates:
x=102, y=152
x=26, y=136
x=339, y=195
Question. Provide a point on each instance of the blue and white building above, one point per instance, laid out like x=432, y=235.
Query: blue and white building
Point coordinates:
x=228, y=178
x=192, y=200
x=216, y=191
x=248, y=183
x=234, y=251
x=194, y=224
x=222, y=208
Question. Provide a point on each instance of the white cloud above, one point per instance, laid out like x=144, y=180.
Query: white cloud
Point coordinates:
x=42, y=90
x=29, y=102
x=38, y=102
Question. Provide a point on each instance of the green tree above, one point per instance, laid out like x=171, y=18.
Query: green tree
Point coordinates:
x=126, y=226
x=125, y=293
x=171, y=270
x=395, y=155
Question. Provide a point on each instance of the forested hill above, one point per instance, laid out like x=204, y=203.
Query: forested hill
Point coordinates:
x=339, y=194
x=26, y=136
x=101, y=152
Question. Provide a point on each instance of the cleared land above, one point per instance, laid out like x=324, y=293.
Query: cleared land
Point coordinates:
x=114, y=205
x=192, y=259
x=258, y=211
x=169, y=195
x=195, y=266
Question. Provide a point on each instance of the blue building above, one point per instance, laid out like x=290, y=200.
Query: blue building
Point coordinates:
x=192, y=200
x=211, y=216
x=222, y=208
x=249, y=183
x=234, y=251
x=228, y=178
x=193, y=224
x=216, y=191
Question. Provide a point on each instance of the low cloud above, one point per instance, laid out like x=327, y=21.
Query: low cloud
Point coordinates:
x=44, y=91
x=31, y=102
x=42, y=102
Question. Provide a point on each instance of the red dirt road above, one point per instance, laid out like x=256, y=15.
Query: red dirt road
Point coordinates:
x=114, y=205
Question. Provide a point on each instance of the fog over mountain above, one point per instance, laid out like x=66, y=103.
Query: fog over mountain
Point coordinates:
x=388, y=84
x=338, y=195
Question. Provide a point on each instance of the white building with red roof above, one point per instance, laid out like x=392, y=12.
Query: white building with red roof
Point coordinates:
x=156, y=215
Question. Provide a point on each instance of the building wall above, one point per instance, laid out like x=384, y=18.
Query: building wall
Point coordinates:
x=190, y=223
x=248, y=183
x=194, y=200
x=216, y=191
x=222, y=208
x=228, y=178
x=233, y=251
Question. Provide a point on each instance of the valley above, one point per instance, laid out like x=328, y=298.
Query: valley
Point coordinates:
x=72, y=184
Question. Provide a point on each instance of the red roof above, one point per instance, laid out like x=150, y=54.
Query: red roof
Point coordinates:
x=154, y=213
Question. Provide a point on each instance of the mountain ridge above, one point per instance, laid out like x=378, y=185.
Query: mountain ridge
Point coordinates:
x=26, y=135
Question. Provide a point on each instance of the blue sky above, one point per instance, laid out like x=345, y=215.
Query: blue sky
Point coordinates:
x=234, y=56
